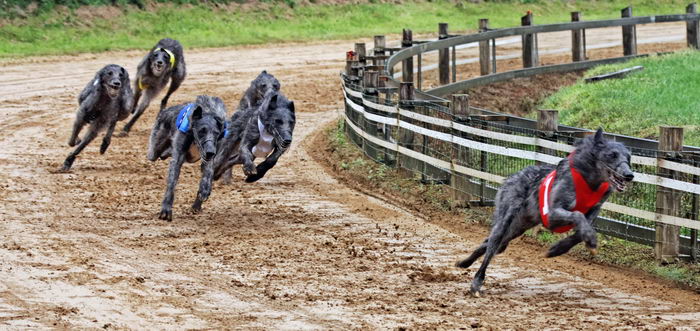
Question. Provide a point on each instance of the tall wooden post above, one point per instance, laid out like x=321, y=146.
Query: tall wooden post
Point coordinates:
x=578, y=45
x=484, y=49
x=443, y=56
x=692, y=27
x=530, y=57
x=629, y=35
x=547, y=122
x=379, y=46
x=460, y=108
x=406, y=95
x=668, y=201
x=407, y=64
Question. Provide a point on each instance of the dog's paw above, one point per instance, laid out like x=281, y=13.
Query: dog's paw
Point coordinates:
x=72, y=143
x=197, y=206
x=475, y=293
x=252, y=178
x=250, y=170
x=166, y=215
x=62, y=170
x=104, y=146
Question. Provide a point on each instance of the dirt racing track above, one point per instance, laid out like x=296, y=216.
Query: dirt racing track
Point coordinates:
x=296, y=250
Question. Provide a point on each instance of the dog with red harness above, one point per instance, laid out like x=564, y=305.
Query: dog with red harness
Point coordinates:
x=564, y=197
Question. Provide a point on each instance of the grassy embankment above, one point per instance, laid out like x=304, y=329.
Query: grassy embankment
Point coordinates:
x=69, y=30
x=663, y=93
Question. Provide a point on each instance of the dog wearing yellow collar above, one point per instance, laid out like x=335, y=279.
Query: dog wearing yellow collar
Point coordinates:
x=164, y=63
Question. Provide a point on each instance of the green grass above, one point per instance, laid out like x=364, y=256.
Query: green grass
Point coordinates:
x=661, y=94
x=65, y=31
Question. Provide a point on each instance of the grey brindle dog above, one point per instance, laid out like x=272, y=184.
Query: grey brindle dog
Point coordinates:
x=106, y=99
x=602, y=165
x=265, y=131
x=261, y=86
x=187, y=133
x=165, y=62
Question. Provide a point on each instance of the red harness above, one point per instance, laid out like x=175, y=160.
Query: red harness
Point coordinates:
x=586, y=198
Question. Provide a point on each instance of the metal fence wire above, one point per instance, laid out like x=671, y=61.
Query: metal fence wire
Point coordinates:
x=474, y=154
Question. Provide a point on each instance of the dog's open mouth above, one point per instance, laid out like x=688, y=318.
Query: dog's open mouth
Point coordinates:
x=158, y=69
x=112, y=91
x=618, y=181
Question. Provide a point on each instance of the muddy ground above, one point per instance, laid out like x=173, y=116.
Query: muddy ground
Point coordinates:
x=299, y=249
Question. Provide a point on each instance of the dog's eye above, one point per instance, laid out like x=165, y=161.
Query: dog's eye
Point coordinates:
x=613, y=155
x=278, y=122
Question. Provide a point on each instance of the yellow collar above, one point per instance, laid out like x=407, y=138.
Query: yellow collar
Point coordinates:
x=141, y=85
x=172, y=57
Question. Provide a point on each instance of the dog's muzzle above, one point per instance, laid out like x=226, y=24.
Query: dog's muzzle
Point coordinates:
x=619, y=181
x=113, y=89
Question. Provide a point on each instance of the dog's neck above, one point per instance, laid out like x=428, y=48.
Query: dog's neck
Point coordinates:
x=587, y=169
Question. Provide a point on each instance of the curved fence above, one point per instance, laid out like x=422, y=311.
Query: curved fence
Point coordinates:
x=473, y=150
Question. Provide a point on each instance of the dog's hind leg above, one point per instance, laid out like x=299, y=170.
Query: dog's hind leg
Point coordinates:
x=226, y=178
x=89, y=136
x=476, y=254
x=204, y=186
x=77, y=127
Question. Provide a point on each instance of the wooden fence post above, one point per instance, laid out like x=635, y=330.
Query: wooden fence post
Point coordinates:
x=530, y=57
x=484, y=49
x=406, y=137
x=692, y=27
x=668, y=201
x=578, y=44
x=460, y=108
x=444, y=56
x=629, y=35
x=407, y=64
x=379, y=45
x=548, y=122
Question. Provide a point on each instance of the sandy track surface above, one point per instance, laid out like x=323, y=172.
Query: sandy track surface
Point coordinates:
x=296, y=250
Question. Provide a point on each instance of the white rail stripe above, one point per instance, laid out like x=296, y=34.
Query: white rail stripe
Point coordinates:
x=425, y=118
x=651, y=216
x=355, y=94
x=643, y=160
x=639, y=177
x=384, y=108
x=643, y=214
x=680, y=167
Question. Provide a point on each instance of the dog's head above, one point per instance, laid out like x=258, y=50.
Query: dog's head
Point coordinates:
x=612, y=159
x=277, y=115
x=208, y=125
x=265, y=84
x=161, y=60
x=112, y=79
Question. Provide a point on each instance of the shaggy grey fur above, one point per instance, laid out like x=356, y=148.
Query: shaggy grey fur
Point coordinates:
x=153, y=74
x=106, y=99
x=517, y=201
x=252, y=98
x=201, y=140
x=277, y=115
x=258, y=89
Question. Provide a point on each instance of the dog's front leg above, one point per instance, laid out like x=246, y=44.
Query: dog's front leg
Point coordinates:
x=178, y=149
x=247, y=157
x=561, y=217
x=266, y=165
x=564, y=245
x=108, y=136
x=175, y=82
x=68, y=163
x=77, y=127
x=138, y=110
x=204, y=186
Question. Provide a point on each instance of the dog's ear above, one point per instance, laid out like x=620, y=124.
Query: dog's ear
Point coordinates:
x=264, y=72
x=291, y=106
x=598, y=139
x=197, y=113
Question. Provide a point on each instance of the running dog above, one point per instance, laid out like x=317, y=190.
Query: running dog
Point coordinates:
x=106, y=99
x=561, y=198
x=265, y=131
x=262, y=85
x=187, y=133
x=165, y=62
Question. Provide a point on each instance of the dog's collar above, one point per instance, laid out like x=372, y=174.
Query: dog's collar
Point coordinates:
x=142, y=86
x=170, y=54
x=183, y=118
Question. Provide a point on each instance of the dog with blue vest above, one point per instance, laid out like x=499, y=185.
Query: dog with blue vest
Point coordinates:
x=188, y=132
x=164, y=63
x=263, y=132
x=564, y=197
